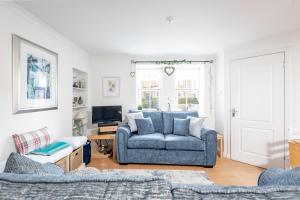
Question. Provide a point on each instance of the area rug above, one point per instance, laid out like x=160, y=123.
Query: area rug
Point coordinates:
x=176, y=177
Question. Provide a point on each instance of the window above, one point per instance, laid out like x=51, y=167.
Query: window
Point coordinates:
x=148, y=88
x=189, y=88
x=187, y=83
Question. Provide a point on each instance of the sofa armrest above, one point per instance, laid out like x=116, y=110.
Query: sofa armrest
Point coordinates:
x=276, y=176
x=210, y=138
x=122, y=135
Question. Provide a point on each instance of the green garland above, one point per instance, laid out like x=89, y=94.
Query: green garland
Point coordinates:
x=173, y=62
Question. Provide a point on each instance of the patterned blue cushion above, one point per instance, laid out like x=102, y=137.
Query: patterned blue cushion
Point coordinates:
x=144, y=126
x=150, y=141
x=168, y=119
x=181, y=127
x=157, y=119
x=19, y=164
x=176, y=142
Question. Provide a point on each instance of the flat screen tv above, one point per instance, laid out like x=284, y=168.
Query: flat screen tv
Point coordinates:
x=106, y=114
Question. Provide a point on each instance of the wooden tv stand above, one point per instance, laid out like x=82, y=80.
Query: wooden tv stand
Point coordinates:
x=107, y=129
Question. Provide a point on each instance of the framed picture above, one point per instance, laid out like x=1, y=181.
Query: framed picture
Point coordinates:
x=34, y=77
x=111, y=86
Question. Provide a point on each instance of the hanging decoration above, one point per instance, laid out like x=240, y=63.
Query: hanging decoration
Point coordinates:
x=169, y=70
x=132, y=72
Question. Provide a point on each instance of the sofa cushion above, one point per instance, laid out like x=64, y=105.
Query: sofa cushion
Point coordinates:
x=144, y=126
x=149, y=141
x=130, y=118
x=181, y=126
x=168, y=119
x=176, y=142
x=196, y=125
x=157, y=119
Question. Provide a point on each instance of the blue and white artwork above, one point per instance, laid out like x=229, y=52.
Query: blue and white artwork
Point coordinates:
x=35, y=74
x=38, y=78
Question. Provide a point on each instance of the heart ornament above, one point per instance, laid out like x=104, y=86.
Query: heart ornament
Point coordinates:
x=132, y=74
x=169, y=70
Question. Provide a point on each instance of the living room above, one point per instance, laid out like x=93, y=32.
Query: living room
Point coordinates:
x=133, y=91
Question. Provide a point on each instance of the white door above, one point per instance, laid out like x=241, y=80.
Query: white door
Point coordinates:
x=257, y=110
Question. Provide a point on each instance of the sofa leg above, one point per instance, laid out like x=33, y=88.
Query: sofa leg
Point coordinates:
x=208, y=166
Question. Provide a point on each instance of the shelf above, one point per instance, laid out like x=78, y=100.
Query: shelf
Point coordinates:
x=81, y=78
x=79, y=107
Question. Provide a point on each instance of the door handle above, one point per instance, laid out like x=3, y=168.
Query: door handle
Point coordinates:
x=234, y=111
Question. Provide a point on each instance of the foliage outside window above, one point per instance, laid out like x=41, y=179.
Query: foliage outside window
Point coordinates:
x=148, y=85
x=187, y=83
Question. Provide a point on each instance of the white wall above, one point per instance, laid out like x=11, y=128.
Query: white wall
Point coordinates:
x=220, y=93
x=120, y=65
x=288, y=42
x=14, y=19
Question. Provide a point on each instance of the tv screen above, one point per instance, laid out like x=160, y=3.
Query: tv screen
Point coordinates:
x=106, y=114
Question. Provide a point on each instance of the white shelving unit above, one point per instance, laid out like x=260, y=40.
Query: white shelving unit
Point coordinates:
x=80, y=102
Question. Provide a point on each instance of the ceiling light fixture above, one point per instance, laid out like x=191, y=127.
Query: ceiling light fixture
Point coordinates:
x=170, y=19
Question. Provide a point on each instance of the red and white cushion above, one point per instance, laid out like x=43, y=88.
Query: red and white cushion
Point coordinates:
x=27, y=142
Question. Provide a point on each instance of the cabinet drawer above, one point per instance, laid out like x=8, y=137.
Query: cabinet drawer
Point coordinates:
x=76, y=159
x=63, y=163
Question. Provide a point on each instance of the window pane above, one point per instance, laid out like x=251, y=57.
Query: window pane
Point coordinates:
x=187, y=100
x=184, y=84
x=150, y=84
x=150, y=99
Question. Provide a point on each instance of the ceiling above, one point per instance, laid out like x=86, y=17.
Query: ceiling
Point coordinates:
x=140, y=27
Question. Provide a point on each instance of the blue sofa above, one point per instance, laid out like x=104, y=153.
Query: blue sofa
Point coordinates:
x=163, y=147
x=272, y=184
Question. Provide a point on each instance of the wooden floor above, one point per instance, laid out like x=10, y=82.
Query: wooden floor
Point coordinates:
x=226, y=172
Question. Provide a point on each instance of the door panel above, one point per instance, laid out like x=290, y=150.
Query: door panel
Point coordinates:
x=256, y=82
x=257, y=97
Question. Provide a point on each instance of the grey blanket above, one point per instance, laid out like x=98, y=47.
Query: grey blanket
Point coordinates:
x=236, y=192
x=21, y=186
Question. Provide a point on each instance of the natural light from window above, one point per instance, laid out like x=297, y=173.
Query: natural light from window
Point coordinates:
x=184, y=90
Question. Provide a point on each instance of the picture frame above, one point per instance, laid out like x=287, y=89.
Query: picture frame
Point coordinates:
x=35, y=77
x=111, y=86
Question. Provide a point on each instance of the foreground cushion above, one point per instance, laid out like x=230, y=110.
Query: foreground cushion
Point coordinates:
x=150, y=141
x=19, y=164
x=27, y=142
x=144, y=126
x=176, y=142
